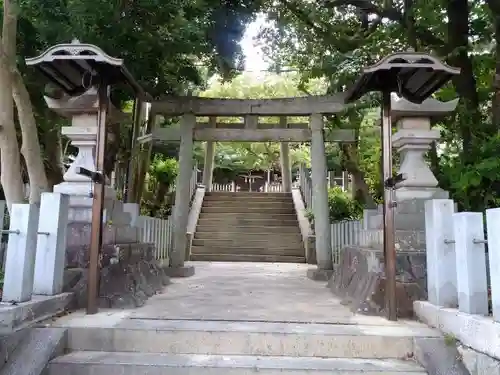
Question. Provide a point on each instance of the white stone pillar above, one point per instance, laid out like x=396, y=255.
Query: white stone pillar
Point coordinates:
x=21, y=252
x=492, y=226
x=320, y=194
x=51, y=244
x=441, y=268
x=471, y=263
x=286, y=170
x=208, y=167
x=181, y=209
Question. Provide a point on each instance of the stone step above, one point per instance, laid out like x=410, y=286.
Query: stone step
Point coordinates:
x=248, y=215
x=255, y=244
x=227, y=220
x=297, y=250
x=245, y=210
x=210, y=227
x=254, y=204
x=122, y=363
x=262, y=199
x=244, y=235
x=246, y=194
x=249, y=338
x=215, y=257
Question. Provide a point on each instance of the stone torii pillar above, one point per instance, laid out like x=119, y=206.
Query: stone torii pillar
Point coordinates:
x=320, y=201
x=208, y=167
x=412, y=140
x=286, y=171
x=182, y=198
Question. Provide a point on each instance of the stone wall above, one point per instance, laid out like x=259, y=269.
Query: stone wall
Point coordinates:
x=129, y=275
x=360, y=281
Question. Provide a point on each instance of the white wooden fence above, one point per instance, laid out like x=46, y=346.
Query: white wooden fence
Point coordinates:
x=457, y=260
x=157, y=231
x=231, y=186
x=272, y=187
x=305, y=186
x=344, y=233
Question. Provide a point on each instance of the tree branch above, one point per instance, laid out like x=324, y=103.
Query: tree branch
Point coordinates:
x=425, y=36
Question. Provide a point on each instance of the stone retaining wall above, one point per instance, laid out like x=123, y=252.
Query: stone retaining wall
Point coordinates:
x=360, y=281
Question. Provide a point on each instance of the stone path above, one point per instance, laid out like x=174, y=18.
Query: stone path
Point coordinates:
x=272, y=292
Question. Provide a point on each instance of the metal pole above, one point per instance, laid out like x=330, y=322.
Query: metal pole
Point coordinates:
x=389, y=248
x=98, y=203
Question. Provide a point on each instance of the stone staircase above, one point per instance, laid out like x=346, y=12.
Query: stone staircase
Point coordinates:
x=186, y=347
x=248, y=227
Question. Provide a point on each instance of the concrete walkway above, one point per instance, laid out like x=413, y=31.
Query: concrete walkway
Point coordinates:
x=239, y=319
x=272, y=292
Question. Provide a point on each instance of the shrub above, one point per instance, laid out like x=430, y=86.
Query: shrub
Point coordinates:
x=342, y=206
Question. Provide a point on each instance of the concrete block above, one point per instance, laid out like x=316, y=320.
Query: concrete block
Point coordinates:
x=184, y=271
x=493, y=229
x=441, y=268
x=21, y=252
x=470, y=262
x=319, y=274
x=51, y=244
x=33, y=354
x=438, y=357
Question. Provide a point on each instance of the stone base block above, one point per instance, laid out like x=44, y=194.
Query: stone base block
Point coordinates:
x=360, y=281
x=79, y=234
x=78, y=256
x=317, y=274
x=404, y=240
x=22, y=315
x=128, y=277
x=184, y=271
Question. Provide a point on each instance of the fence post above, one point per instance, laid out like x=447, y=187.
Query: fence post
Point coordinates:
x=21, y=251
x=441, y=269
x=471, y=263
x=492, y=228
x=51, y=244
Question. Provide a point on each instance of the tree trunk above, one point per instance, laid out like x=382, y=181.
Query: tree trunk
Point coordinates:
x=30, y=148
x=360, y=190
x=465, y=83
x=10, y=163
x=54, y=157
x=494, y=6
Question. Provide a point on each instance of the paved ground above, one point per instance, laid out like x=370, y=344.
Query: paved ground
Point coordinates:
x=258, y=292
x=273, y=292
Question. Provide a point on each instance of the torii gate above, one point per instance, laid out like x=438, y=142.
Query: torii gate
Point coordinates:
x=76, y=68
x=189, y=130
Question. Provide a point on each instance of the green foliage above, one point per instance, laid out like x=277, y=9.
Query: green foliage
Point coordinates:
x=158, y=197
x=164, y=171
x=336, y=40
x=342, y=206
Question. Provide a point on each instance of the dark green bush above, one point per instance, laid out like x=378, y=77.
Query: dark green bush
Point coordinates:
x=342, y=206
